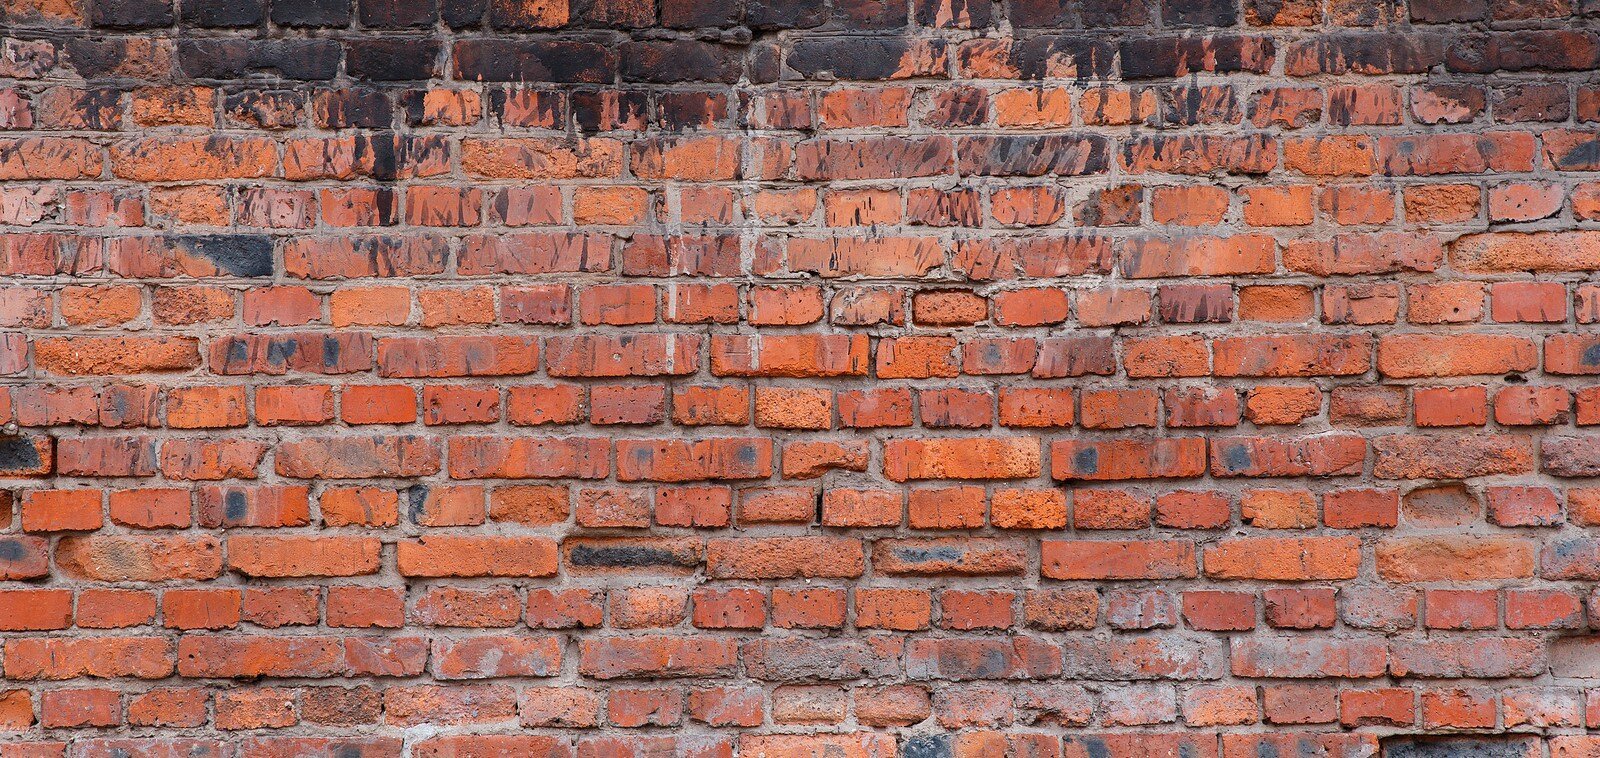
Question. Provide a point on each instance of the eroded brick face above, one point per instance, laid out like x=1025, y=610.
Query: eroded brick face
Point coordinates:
x=799, y=378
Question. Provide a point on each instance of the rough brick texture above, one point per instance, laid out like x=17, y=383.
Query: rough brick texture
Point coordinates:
x=799, y=378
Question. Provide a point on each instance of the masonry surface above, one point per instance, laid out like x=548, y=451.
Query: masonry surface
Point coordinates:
x=793, y=379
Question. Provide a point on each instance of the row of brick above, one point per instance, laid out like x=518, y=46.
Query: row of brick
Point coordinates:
x=926, y=258
x=609, y=58
x=1395, y=456
x=1434, y=558
x=733, y=706
x=976, y=742
x=971, y=743
x=973, y=104
x=802, y=14
x=638, y=304
x=712, y=158
x=784, y=659
x=718, y=506
x=1399, y=356
x=1038, y=206
x=799, y=409
x=1386, y=609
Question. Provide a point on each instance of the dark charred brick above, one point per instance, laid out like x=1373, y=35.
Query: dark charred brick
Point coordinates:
x=852, y=57
x=694, y=14
x=313, y=60
x=352, y=109
x=869, y=15
x=622, y=14
x=785, y=14
x=1055, y=57
x=929, y=746
x=1032, y=155
x=1040, y=13
x=266, y=109
x=680, y=61
x=764, y=63
x=1447, y=11
x=237, y=254
x=1531, y=101
x=691, y=110
x=604, y=111
x=462, y=14
x=392, y=60
x=23, y=456
x=395, y=14
x=222, y=13
x=1094, y=14
x=1539, y=50
x=311, y=12
x=131, y=14
x=1162, y=57
x=1199, y=12
x=1477, y=746
x=505, y=60
x=1365, y=54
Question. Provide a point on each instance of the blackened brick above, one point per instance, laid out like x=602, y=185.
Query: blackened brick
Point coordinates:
x=693, y=14
x=311, y=12
x=131, y=14
x=353, y=108
x=1095, y=14
x=682, y=61
x=1533, y=49
x=461, y=14
x=1040, y=13
x=396, y=14
x=785, y=14
x=506, y=60
x=223, y=13
x=236, y=58
x=1446, y=11
x=1161, y=57
x=1199, y=12
x=392, y=60
x=858, y=57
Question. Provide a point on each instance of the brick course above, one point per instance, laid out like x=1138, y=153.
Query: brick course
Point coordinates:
x=847, y=378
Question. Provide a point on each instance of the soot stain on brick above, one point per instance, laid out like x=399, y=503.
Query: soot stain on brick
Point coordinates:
x=1237, y=457
x=280, y=350
x=1477, y=746
x=927, y=554
x=12, y=549
x=330, y=351
x=624, y=556
x=1583, y=155
x=238, y=254
x=18, y=454
x=234, y=506
x=1087, y=460
x=417, y=502
x=928, y=746
x=1591, y=355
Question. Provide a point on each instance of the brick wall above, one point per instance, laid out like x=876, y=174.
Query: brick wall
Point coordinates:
x=794, y=378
